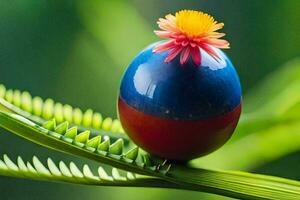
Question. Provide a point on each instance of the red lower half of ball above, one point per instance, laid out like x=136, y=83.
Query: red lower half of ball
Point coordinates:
x=178, y=140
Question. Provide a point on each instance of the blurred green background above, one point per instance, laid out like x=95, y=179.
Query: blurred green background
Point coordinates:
x=76, y=52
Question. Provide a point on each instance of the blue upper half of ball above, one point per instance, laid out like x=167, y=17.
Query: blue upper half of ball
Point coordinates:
x=185, y=92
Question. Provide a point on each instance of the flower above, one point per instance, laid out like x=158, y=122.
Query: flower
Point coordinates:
x=189, y=31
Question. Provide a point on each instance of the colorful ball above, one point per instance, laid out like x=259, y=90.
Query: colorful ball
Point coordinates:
x=179, y=112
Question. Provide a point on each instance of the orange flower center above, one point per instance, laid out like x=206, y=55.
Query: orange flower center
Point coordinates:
x=194, y=23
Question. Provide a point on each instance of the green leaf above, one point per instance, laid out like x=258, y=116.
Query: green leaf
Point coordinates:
x=83, y=137
x=132, y=154
x=50, y=125
x=37, y=103
x=48, y=110
x=233, y=184
x=71, y=133
x=94, y=142
x=40, y=111
x=117, y=147
x=97, y=120
x=87, y=118
x=62, y=128
x=104, y=146
x=71, y=173
x=106, y=124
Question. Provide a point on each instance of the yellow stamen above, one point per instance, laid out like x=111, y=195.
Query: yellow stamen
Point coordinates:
x=194, y=23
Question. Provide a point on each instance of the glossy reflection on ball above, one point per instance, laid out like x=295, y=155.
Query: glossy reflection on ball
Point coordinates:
x=179, y=112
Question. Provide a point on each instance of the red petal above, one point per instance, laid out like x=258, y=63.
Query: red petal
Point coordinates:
x=196, y=55
x=185, y=55
x=164, y=46
x=173, y=54
x=185, y=43
x=210, y=50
